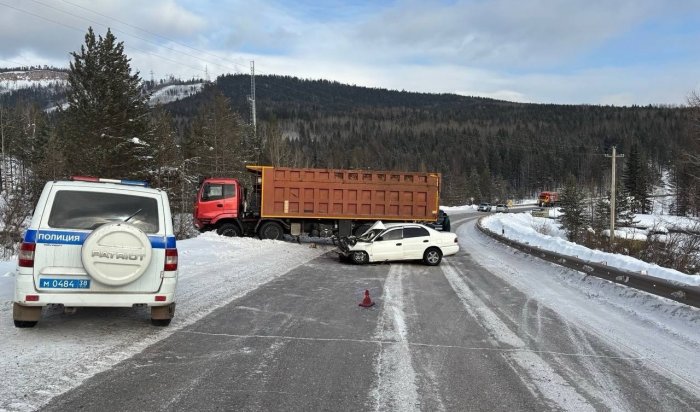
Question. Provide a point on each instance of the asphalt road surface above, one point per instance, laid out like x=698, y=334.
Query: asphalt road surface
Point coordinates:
x=452, y=337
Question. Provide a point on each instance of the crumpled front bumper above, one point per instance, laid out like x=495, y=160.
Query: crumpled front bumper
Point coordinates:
x=345, y=243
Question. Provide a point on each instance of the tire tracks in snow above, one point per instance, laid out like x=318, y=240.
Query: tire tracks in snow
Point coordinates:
x=547, y=382
x=396, y=388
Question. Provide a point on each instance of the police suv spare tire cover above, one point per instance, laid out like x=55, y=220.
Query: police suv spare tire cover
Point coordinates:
x=116, y=254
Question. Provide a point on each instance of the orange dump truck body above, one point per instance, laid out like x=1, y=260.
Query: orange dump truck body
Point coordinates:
x=347, y=194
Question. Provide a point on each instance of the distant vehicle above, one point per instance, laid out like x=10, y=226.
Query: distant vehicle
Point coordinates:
x=502, y=208
x=399, y=241
x=97, y=242
x=484, y=207
x=548, y=199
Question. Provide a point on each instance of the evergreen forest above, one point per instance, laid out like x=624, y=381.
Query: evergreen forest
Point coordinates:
x=485, y=149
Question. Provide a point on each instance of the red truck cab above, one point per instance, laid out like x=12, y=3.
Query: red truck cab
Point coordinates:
x=548, y=199
x=218, y=198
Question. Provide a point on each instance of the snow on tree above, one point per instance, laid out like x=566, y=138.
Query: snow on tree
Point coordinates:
x=572, y=221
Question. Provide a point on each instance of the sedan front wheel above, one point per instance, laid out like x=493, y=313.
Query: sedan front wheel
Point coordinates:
x=360, y=258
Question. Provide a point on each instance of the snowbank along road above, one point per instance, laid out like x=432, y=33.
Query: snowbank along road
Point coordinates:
x=488, y=329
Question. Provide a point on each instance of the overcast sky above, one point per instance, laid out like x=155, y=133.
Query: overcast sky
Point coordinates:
x=618, y=52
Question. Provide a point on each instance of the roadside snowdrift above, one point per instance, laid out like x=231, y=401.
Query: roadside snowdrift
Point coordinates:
x=523, y=227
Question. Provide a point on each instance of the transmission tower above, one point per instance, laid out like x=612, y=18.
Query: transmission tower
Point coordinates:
x=252, y=96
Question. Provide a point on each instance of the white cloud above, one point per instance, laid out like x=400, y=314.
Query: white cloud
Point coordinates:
x=53, y=29
x=504, y=49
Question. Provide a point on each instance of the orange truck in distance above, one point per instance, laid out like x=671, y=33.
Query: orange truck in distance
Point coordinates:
x=315, y=202
x=548, y=199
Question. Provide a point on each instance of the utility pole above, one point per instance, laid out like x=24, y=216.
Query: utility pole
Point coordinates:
x=612, y=194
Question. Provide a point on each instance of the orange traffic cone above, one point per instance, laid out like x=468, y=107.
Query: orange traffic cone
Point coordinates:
x=367, y=301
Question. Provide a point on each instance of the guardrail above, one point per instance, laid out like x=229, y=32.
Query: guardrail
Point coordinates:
x=689, y=295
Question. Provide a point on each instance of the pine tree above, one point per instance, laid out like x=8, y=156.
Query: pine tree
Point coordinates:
x=573, y=219
x=166, y=153
x=601, y=215
x=276, y=147
x=473, y=188
x=636, y=180
x=105, y=128
x=624, y=217
x=217, y=144
x=689, y=169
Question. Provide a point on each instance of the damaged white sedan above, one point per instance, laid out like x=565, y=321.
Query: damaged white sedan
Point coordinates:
x=399, y=241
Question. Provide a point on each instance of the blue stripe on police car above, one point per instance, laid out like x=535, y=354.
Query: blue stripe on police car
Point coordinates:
x=56, y=237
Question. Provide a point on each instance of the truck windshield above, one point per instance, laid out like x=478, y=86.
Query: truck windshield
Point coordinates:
x=218, y=191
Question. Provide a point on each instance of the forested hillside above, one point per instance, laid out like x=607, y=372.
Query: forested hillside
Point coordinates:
x=485, y=149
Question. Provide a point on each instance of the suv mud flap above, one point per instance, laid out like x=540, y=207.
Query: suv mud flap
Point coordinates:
x=163, y=312
x=26, y=313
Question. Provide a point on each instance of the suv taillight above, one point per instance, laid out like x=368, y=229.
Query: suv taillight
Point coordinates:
x=170, y=260
x=26, y=255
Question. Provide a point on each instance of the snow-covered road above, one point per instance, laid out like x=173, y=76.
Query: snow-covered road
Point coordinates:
x=63, y=350
x=490, y=328
x=663, y=333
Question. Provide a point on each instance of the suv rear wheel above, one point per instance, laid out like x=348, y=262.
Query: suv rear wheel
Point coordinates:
x=160, y=322
x=25, y=316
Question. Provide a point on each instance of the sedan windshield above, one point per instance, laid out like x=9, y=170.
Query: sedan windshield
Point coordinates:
x=369, y=235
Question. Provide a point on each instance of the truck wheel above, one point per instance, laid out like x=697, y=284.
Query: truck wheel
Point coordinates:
x=271, y=230
x=359, y=258
x=432, y=256
x=229, y=230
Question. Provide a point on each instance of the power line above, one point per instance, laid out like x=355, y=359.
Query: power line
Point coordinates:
x=129, y=34
x=165, y=38
x=82, y=31
x=154, y=34
x=295, y=90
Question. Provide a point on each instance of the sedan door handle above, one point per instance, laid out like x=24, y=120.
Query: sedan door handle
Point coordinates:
x=426, y=241
x=398, y=244
x=219, y=205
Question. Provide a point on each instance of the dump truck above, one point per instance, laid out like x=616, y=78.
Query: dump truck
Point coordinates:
x=548, y=199
x=314, y=202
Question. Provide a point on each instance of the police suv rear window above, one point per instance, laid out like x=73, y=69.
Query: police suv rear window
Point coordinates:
x=88, y=210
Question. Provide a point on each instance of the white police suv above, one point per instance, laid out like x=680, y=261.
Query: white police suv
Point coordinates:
x=97, y=242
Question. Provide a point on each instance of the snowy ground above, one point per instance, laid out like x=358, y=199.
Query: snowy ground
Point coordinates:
x=174, y=92
x=545, y=233
x=63, y=350
x=664, y=333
